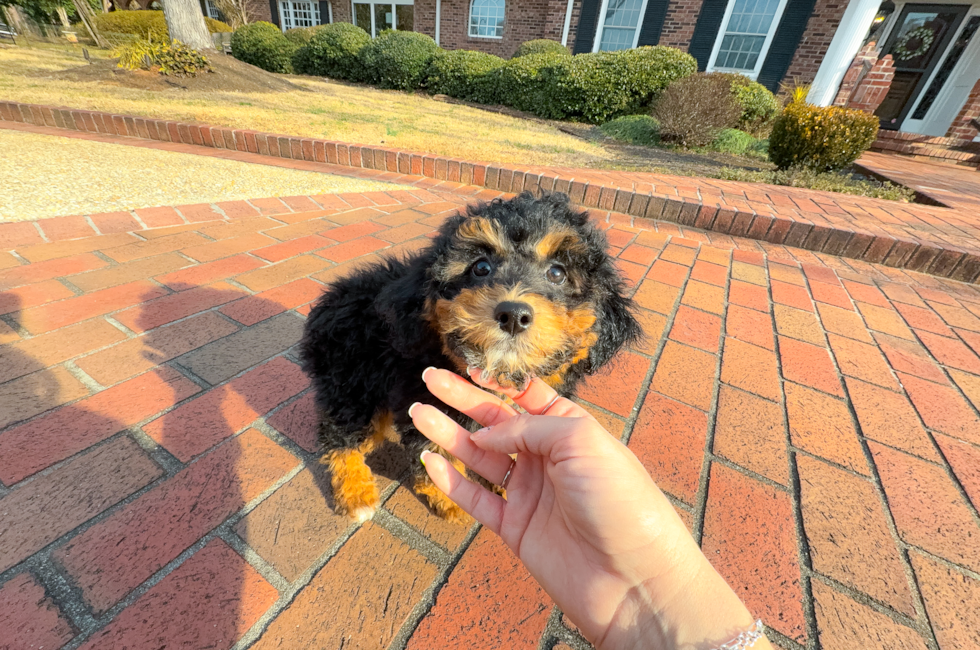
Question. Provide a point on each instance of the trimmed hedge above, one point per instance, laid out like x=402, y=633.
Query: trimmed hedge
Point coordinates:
x=758, y=104
x=334, y=51
x=397, y=59
x=263, y=45
x=540, y=46
x=300, y=36
x=465, y=75
x=821, y=138
x=635, y=129
x=148, y=25
x=599, y=86
x=519, y=82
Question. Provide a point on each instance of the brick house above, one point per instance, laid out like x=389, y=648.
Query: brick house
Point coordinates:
x=915, y=64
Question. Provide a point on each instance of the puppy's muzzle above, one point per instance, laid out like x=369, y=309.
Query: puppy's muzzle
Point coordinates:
x=514, y=317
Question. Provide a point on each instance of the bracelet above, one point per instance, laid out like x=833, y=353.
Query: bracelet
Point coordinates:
x=746, y=639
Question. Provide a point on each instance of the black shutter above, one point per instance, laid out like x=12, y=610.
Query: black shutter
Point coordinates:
x=274, y=11
x=706, y=31
x=784, y=42
x=588, y=22
x=653, y=22
x=324, y=12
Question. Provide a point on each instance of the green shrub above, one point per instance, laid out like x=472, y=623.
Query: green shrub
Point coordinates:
x=334, y=51
x=263, y=45
x=826, y=181
x=822, y=138
x=635, y=129
x=652, y=69
x=733, y=141
x=599, y=86
x=692, y=111
x=145, y=24
x=519, y=82
x=464, y=74
x=540, y=46
x=759, y=106
x=179, y=60
x=300, y=36
x=174, y=58
x=397, y=59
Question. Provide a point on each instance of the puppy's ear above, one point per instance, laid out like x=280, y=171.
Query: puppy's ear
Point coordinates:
x=616, y=326
x=402, y=306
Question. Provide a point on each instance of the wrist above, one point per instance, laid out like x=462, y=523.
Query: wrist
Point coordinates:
x=693, y=611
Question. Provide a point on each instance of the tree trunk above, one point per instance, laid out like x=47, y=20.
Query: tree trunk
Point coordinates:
x=63, y=17
x=185, y=22
x=85, y=13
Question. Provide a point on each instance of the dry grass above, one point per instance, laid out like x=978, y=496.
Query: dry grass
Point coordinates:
x=328, y=110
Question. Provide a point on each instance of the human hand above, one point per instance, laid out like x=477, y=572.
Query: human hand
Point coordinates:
x=583, y=515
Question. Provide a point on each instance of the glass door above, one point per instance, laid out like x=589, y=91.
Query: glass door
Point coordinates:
x=917, y=42
x=375, y=17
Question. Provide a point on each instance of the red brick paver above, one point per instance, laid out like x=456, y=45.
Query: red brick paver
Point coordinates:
x=813, y=419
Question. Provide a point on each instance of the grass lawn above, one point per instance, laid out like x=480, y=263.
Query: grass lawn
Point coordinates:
x=322, y=109
x=312, y=107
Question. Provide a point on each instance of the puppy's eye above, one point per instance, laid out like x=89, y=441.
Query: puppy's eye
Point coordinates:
x=482, y=268
x=556, y=274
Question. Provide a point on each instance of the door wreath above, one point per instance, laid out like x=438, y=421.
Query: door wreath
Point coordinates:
x=923, y=35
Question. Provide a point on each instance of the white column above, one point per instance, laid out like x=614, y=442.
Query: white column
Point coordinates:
x=854, y=26
x=438, y=18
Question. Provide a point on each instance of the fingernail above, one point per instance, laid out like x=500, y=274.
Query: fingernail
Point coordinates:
x=411, y=407
x=479, y=434
x=422, y=456
x=426, y=370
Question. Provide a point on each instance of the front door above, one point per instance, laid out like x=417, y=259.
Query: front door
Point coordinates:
x=917, y=41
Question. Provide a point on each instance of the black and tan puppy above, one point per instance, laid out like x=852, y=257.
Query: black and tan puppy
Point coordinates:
x=520, y=288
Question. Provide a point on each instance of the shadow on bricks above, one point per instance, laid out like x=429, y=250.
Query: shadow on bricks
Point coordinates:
x=226, y=359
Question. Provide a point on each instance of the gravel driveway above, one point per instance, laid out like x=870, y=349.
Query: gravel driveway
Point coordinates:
x=48, y=176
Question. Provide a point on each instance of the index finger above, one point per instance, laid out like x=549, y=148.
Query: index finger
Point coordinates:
x=466, y=398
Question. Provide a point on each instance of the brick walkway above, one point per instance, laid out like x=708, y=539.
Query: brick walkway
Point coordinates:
x=814, y=420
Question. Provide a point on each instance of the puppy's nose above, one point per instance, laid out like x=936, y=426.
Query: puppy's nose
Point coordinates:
x=514, y=317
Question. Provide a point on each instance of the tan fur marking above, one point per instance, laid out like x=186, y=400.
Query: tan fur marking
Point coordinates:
x=556, y=240
x=483, y=231
x=555, y=329
x=353, y=483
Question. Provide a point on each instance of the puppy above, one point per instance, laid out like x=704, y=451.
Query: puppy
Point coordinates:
x=520, y=288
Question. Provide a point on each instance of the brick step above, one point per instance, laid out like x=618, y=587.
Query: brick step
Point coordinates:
x=940, y=153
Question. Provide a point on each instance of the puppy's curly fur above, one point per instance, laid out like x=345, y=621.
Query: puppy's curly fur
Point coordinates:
x=519, y=288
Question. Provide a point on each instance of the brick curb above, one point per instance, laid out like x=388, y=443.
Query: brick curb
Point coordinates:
x=829, y=233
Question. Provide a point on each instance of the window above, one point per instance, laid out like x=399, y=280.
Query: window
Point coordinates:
x=747, y=30
x=213, y=10
x=619, y=25
x=299, y=14
x=487, y=18
x=375, y=17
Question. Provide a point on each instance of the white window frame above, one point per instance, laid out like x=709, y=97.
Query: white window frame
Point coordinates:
x=290, y=22
x=773, y=26
x=469, y=23
x=602, y=25
x=394, y=13
x=212, y=9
